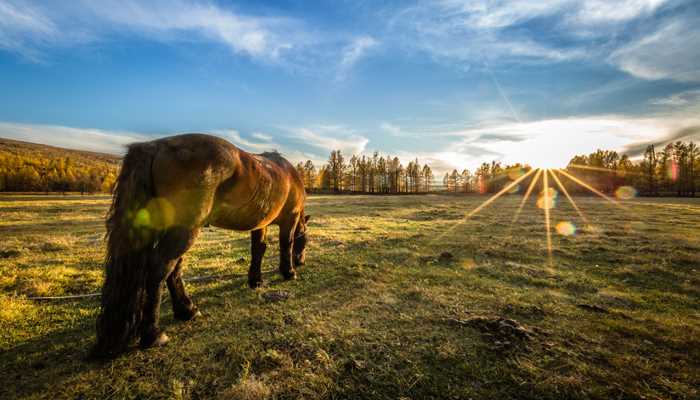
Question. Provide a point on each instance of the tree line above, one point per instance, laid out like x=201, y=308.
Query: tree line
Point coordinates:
x=375, y=174
x=671, y=171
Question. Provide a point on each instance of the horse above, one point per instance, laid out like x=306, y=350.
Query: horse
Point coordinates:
x=166, y=191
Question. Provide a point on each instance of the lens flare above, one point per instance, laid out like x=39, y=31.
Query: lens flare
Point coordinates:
x=548, y=199
x=626, y=192
x=516, y=173
x=142, y=218
x=565, y=228
x=672, y=171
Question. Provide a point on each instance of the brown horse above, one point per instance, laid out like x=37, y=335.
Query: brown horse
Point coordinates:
x=166, y=191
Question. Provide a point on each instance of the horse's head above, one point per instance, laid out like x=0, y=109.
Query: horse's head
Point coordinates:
x=300, y=239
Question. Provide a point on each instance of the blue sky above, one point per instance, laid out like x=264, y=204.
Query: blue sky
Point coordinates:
x=454, y=83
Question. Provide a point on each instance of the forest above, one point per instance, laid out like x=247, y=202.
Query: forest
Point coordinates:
x=670, y=171
x=29, y=167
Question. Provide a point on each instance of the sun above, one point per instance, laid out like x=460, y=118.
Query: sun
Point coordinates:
x=547, y=161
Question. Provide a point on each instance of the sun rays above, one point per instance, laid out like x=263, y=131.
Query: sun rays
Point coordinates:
x=548, y=203
x=547, y=200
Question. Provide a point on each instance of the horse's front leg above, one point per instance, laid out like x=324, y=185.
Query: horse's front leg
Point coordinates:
x=287, y=230
x=257, y=249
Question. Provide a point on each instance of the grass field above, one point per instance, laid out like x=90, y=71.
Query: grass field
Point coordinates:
x=378, y=311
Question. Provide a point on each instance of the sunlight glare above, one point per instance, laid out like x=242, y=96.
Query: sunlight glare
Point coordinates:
x=565, y=228
x=626, y=192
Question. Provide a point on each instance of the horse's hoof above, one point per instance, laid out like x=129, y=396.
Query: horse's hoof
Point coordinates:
x=159, y=341
x=289, y=276
x=187, y=315
x=255, y=284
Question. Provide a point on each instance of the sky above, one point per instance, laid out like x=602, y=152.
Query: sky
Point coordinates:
x=452, y=82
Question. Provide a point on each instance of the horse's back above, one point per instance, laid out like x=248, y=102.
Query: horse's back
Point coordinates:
x=206, y=179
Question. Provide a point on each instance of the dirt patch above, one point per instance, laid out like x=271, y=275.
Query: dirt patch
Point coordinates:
x=9, y=253
x=443, y=258
x=593, y=308
x=431, y=215
x=275, y=296
x=502, y=333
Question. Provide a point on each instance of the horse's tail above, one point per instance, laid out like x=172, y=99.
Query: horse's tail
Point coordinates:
x=130, y=242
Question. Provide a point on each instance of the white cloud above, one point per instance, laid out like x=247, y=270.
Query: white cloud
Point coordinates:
x=592, y=12
x=390, y=128
x=472, y=31
x=262, y=136
x=34, y=29
x=258, y=37
x=98, y=140
x=352, y=53
x=22, y=25
x=330, y=138
x=685, y=98
x=476, y=31
x=246, y=144
x=498, y=14
x=671, y=52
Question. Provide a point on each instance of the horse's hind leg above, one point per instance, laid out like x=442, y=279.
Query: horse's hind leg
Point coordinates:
x=183, y=307
x=170, y=248
x=257, y=249
x=286, y=236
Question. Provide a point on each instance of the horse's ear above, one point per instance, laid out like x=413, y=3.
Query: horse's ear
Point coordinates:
x=306, y=219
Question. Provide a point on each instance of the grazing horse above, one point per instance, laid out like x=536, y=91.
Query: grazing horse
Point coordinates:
x=166, y=191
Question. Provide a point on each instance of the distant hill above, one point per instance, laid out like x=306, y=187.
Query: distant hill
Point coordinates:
x=32, y=167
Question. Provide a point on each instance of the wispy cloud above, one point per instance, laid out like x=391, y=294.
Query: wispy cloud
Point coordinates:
x=22, y=27
x=258, y=37
x=684, y=98
x=691, y=132
x=103, y=141
x=35, y=29
x=262, y=136
x=330, y=137
x=352, y=53
x=597, y=12
x=477, y=31
x=671, y=52
x=246, y=144
x=391, y=129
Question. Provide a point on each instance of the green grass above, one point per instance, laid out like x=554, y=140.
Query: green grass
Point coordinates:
x=376, y=312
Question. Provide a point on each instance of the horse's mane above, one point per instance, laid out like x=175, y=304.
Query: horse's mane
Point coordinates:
x=274, y=154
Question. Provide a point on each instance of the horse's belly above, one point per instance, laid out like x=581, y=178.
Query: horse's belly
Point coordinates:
x=240, y=221
x=247, y=218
